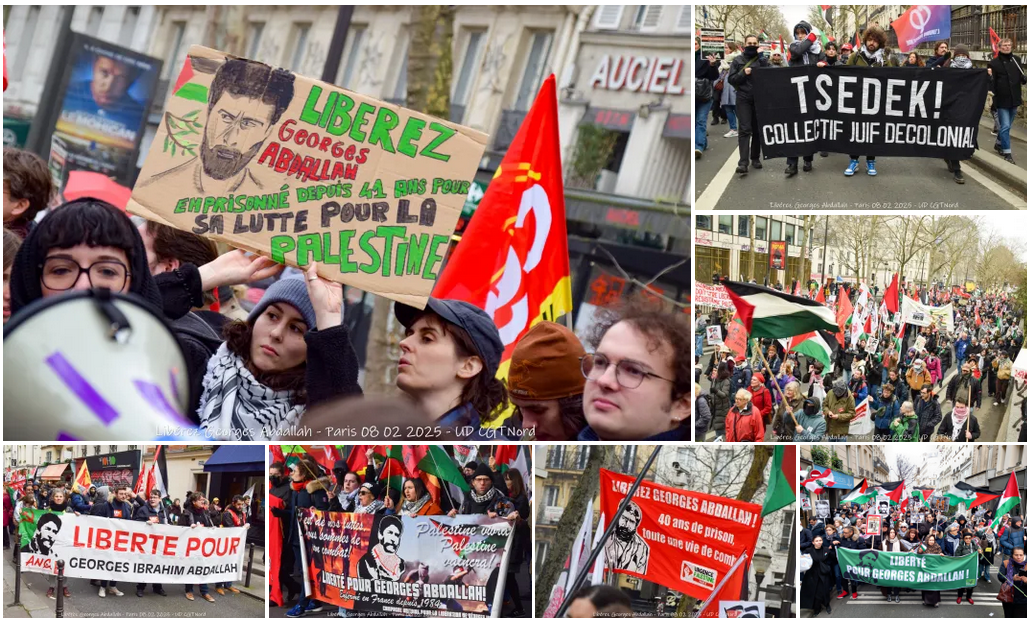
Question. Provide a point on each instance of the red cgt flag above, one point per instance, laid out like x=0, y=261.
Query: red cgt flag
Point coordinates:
x=994, y=42
x=512, y=261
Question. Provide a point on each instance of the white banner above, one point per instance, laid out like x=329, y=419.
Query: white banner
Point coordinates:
x=861, y=423
x=135, y=551
x=919, y=314
x=742, y=609
x=711, y=296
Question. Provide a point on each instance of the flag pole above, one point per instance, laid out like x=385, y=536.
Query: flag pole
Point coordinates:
x=711, y=598
x=784, y=400
x=562, y=612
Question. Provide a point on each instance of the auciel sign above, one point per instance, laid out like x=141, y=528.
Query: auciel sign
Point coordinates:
x=645, y=74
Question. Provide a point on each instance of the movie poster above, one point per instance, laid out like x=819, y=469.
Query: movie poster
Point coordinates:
x=406, y=566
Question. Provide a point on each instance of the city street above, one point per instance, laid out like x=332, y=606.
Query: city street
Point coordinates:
x=871, y=604
x=989, y=416
x=85, y=602
x=901, y=183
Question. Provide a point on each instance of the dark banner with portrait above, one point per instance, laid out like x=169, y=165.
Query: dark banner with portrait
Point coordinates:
x=879, y=111
x=388, y=565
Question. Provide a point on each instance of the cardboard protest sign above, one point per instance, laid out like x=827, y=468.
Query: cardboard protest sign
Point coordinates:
x=393, y=566
x=134, y=551
x=713, y=336
x=890, y=111
x=684, y=540
x=872, y=343
x=303, y=171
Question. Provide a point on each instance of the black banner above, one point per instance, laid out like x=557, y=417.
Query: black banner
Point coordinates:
x=879, y=111
x=121, y=468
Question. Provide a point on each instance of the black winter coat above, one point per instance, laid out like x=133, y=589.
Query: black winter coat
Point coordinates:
x=946, y=429
x=736, y=73
x=313, y=495
x=1006, y=78
x=145, y=512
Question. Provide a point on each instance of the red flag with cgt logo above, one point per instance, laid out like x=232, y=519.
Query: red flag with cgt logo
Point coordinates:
x=512, y=261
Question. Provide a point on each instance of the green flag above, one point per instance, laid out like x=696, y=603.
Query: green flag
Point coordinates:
x=781, y=486
x=438, y=463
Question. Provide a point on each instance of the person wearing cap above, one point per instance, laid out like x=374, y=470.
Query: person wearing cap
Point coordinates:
x=448, y=364
x=367, y=499
x=545, y=382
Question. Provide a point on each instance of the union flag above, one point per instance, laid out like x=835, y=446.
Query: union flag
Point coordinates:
x=513, y=261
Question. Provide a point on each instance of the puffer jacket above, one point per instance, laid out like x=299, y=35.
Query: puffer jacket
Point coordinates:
x=721, y=393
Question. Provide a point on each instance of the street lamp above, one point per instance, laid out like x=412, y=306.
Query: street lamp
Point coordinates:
x=761, y=562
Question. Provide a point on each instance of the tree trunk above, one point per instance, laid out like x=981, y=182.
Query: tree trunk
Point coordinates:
x=753, y=481
x=429, y=75
x=567, y=528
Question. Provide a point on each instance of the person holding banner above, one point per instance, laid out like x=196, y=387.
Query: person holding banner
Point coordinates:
x=1013, y=573
x=417, y=501
x=894, y=544
x=967, y=546
x=930, y=546
x=850, y=540
x=233, y=516
x=58, y=506
x=151, y=513
x=195, y=514
x=1007, y=79
x=804, y=51
x=871, y=54
x=960, y=60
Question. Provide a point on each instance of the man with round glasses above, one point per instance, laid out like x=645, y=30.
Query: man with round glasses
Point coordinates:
x=638, y=377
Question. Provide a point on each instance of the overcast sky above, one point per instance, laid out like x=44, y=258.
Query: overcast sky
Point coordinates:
x=795, y=13
x=916, y=452
x=1010, y=225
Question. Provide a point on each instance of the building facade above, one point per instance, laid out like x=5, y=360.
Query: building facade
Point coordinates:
x=722, y=247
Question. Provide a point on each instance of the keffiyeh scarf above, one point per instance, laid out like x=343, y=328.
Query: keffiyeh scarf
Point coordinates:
x=415, y=506
x=873, y=58
x=485, y=498
x=370, y=508
x=235, y=403
x=961, y=62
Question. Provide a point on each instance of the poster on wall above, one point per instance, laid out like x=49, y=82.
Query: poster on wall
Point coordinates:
x=121, y=468
x=106, y=93
x=778, y=253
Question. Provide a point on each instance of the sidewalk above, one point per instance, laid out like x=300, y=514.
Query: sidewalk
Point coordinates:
x=257, y=587
x=1014, y=176
x=32, y=604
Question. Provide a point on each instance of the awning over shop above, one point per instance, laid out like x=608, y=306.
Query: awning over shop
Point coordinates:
x=236, y=459
x=627, y=213
x=678, y=126
x=55, y=471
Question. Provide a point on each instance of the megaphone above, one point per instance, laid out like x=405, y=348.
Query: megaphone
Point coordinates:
x=91, y=365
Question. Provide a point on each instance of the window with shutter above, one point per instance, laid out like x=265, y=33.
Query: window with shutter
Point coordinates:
x=648, y=17
x=684, y=22
x=608, y=16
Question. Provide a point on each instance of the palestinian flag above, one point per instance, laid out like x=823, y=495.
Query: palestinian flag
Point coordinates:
x=435, y=466
x=970, y=495
x=391, y=471
x=892, y=490
x=357, y=459
x=464, y=454
x=820, y=345
x=923, y=494
x=827, y=14
x=781, y=487
x=858, y=495
x=1010, y=499
x=768, y=313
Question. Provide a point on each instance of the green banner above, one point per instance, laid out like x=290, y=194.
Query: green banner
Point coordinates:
x=921, y=572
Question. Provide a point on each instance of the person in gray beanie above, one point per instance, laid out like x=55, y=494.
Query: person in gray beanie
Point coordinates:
x=291, y=351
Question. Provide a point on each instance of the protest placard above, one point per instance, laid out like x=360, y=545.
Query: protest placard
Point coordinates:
x=823, y=508
x=393, y=566
x=713, y=336
x=886, y=111
x=873, y=526
x=302, y=171
x=132, y=551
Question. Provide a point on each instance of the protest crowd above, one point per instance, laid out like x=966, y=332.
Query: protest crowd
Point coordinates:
x=264, y=345
x=371, y=481
x=29, y=505
x=919, y=529
x=725, y=94
x=890, y=381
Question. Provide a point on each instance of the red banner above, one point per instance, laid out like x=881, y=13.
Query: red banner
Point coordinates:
x=737, y=337
x=274, y=549
x=684, y=540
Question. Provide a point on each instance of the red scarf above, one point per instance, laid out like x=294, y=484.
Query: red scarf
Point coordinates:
x=236, y=519
x=298, y=486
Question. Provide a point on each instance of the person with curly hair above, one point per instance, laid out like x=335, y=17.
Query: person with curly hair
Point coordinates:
x=638, y=376
x=870, y=54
